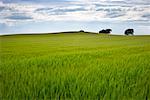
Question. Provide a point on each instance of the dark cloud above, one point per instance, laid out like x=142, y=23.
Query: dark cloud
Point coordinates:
x=18, y=17
x=146, y=15
x=109, y=9
x=2, y=8
x=43, y=9
x=115, y=14
x=58, y=11
x=70, y=10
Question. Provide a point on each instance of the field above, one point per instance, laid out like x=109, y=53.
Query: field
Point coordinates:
x=73, y=66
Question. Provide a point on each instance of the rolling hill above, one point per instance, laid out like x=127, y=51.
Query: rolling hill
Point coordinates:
x=77, y=66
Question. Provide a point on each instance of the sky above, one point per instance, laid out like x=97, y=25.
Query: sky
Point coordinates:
x=42, y=16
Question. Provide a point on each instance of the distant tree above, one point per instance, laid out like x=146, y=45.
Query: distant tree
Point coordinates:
x=129, y=32
x=107, y=31
x=102, y=31
x=81, y=31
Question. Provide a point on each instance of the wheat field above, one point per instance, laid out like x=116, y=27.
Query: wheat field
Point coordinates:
x=74, y=66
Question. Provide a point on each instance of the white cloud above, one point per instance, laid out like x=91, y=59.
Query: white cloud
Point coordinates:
x=81, y=10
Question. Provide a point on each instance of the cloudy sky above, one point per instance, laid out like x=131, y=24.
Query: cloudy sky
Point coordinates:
x=31, y=16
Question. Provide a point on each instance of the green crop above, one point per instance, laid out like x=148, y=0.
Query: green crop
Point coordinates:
x=74, y=67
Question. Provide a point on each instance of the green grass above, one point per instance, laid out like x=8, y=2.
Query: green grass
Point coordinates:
x=74, y=66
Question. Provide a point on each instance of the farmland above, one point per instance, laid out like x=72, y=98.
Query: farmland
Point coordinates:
x=77, y=66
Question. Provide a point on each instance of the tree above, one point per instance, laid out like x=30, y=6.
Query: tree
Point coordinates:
x=81, y=31
x=129, y=32
x=107, y=31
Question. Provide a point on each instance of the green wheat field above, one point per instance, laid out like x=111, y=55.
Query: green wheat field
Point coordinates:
x=74, y=66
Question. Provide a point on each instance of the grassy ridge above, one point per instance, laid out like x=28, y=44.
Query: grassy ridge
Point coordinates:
x=75, y=66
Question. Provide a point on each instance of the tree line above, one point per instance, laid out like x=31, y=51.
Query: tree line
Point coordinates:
x=108, y=31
